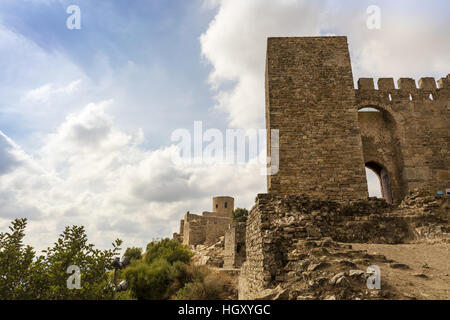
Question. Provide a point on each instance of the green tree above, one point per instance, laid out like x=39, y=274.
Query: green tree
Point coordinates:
x=72, y=248
x=240, y=215
x=16, y=263
x=25, y=276
x=133, y=253
x=170, y=250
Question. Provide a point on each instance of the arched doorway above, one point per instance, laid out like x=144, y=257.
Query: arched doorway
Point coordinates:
x=385, y=183
x=382, y=151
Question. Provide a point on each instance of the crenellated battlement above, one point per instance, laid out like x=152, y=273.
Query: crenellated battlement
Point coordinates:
x=407, y=90
x=387, y=84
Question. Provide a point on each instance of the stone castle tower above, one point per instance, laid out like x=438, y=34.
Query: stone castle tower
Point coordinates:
x=325, y=143
x=206, y=228
x=223, y=206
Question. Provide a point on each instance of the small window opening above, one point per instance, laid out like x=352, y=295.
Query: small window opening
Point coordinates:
x=390, y=97
x=225, y=204
x=431, y=96
x=368, y=109
x=410, y=97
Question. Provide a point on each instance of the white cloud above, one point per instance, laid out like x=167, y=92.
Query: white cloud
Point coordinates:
x=235, y=45
x=91, y=173
x=409, y=44
x=46, y=92
x=10, y=155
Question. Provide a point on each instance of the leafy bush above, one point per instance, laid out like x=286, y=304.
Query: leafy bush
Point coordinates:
x=149, y=281
x=160, y=279
x=124, y=295
x=155, y=277
x=179, y=276
x=133, y=253
x=162, y=272
x=167, y=249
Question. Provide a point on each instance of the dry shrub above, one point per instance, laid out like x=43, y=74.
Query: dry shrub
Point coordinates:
x=207, y=284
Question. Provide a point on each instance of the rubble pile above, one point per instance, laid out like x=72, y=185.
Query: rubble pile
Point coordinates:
x=325, y=269
x=420, y=199
x=292, y=242
x=212, y=255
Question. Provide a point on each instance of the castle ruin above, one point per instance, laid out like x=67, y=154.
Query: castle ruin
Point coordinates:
x=297, y=241
x=325, y=143
x=320, y=195
x=205, y=229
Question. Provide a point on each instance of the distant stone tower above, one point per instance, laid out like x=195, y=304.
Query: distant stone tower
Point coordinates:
x=207, y=228
x=223, y=206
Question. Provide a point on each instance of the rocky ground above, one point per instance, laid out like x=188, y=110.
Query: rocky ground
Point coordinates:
x=319, y=268
x=428, y=272
x=325, y=269
x=332, y=271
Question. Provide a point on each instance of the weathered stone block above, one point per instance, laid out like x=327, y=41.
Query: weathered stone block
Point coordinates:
x=386, y=84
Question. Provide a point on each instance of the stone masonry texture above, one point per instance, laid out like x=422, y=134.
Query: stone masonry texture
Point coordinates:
x=277, y=224
x=235, y=254
x=410, y=136
x=310, y=99
x=325, y=143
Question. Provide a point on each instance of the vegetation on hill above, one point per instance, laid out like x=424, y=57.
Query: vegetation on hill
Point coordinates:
x=23, y=275
x=167, y=249
x=164, y=271
x=167, y=272
x=133, y=253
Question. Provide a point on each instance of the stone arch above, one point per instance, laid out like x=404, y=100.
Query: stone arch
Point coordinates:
x=381, y=149
x=384, y=107
x=384, y=178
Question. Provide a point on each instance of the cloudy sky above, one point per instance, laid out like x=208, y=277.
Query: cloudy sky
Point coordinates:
x=86, y=116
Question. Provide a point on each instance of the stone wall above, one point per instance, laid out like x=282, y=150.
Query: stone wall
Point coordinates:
x=176, y=236
x=181, y=227
x=235, y=254
x=277, y=223
x=310, y=99
x=215, y=228
x=194, y=229
x=204, y=229
x=412, y=141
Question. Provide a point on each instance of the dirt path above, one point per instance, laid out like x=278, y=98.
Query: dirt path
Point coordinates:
x=429, y=273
